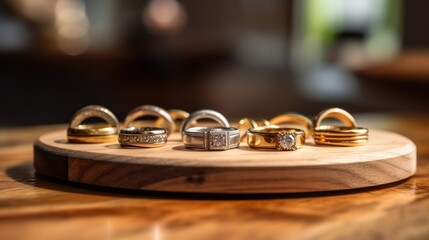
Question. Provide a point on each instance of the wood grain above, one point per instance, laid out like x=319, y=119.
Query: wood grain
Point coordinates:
x=387, y=158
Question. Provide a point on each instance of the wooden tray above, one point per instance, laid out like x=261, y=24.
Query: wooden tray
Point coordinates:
x=387, y=158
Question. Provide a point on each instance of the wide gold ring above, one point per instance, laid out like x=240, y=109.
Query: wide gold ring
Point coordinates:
x=294, y=118
x=93, y=133
x=150, y=110
x=274, y=137
x=178, y=117
x=246, y=123
x=348, y=136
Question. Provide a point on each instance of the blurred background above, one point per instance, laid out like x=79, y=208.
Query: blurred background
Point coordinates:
x=244, y=58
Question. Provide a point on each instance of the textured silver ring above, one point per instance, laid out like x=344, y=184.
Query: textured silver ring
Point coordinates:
x=211, y=138
x=143, y=137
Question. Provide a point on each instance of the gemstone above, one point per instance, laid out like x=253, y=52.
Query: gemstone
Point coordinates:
x=218, y=140
x=285, y=141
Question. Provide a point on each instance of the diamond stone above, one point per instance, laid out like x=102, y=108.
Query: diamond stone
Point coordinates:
x=285, y=141
x=218, y=140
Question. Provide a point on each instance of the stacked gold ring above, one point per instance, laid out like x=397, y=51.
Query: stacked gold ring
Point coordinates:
x=274, y=137
x=93, y=133
x=348, y=136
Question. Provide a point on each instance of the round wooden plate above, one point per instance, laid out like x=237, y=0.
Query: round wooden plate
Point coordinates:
x=387, y=158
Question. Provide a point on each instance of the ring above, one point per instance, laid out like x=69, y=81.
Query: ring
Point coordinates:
x=347, y=136
x=247, y=123
x=336, y=113
x=211, y=138
x=93, y=133
x=201, y=114
x=294, y=118
x=143, y=137
x=150, y=110
x=274, y=137
x=178, y=117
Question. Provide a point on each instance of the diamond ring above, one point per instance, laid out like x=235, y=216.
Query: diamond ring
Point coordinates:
x=274, y=137
x=211, y=138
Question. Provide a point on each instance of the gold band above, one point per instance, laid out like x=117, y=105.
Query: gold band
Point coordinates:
x=150, y=110
x=347, y=136
x=93, y=133
x=274, y=137
x=178, y=117
x=294, y=118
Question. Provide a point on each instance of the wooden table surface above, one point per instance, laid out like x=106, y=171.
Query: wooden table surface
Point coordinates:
x=35, y=207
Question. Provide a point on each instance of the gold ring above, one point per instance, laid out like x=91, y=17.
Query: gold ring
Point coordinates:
x=294, y=118
x=274, y=137
x=336, y=113
x=247, y=123
x=93, y=133
x=150, y=110
x=148, y=137
x=348, y=136
x=178, y=117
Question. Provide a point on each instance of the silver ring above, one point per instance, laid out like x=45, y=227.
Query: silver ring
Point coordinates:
x=211, y=138
x=143, y=137
x=150, y=110
x=201, y=114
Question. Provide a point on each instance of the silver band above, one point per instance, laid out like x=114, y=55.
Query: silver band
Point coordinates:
x=93, y=111
x=211, y=138
x=150, y=110
x=143, y=137
x=201, y=114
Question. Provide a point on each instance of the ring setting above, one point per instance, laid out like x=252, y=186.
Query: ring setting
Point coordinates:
x=286, y=141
